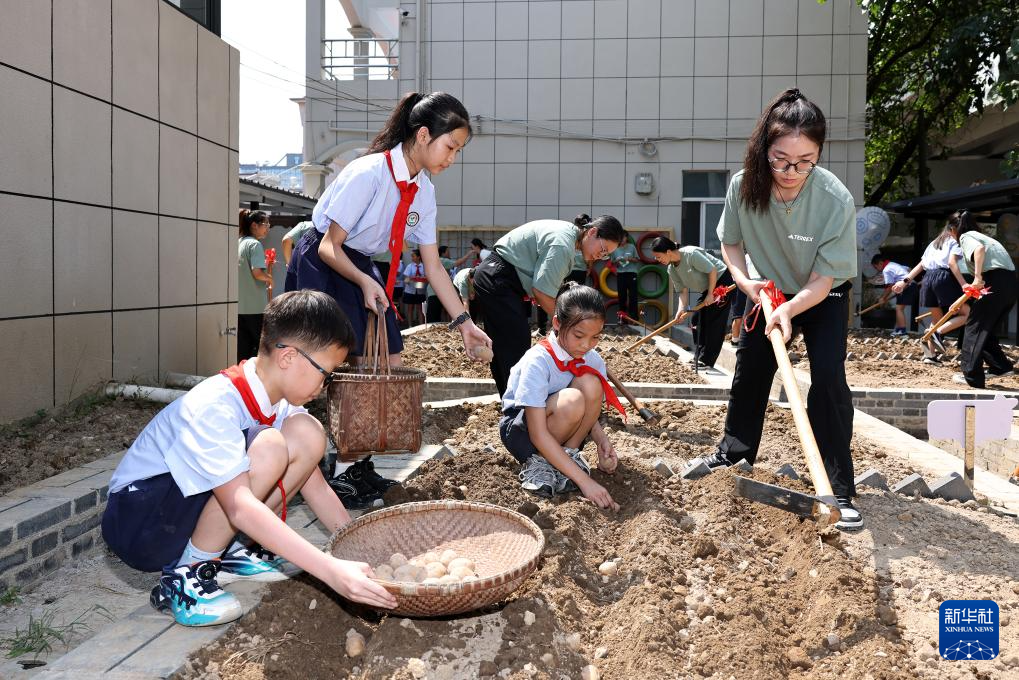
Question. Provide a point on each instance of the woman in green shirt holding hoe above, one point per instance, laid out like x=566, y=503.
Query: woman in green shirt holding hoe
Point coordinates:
x=695, y=269
x=798, y=223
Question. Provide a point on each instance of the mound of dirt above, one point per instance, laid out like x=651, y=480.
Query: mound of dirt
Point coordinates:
x=441, y=354
x=707, y=585
x=900, y=363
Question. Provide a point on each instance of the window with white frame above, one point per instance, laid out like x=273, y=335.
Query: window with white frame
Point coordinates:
x=703, y=199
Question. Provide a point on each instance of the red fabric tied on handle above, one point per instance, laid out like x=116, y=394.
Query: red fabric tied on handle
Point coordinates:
x=235, y=374
x=407, y=193
x=720, y=293
x=270, y=257
x=974, y=292
x=774, y=294
x=578, y=368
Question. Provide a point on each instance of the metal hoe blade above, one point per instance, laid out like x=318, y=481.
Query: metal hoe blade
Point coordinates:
x=798, y=503
x=650, y=417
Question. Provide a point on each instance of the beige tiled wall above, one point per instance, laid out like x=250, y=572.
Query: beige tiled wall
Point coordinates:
x=116, y=193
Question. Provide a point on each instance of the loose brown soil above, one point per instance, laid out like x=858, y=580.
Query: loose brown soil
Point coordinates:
x=441, y=354
x=707, y=585
x=902, y=363
x=49, y=443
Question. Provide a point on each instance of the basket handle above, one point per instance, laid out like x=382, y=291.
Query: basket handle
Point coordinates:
x=376, y=351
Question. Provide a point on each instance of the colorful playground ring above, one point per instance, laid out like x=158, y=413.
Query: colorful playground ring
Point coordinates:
x=658, y=307
x=603, y=283
x=663, y=279
x=647, y=259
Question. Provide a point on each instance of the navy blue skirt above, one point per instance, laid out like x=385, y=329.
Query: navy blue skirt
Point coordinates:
x=308, y=271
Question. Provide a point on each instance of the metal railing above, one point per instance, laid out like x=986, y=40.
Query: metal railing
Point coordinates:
x=360, y=59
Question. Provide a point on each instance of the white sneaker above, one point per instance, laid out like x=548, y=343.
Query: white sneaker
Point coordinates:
x=539, y=477
x=851, y=518
x=254, y=564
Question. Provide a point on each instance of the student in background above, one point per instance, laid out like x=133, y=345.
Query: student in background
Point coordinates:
x=627, y=262
x=291, y=238
x=253, y=281
x=893, y=272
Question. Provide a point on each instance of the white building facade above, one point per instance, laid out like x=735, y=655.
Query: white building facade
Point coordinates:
x=636, y=108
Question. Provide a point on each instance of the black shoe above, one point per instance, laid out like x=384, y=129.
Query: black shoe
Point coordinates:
x=715, y=461
x=354, y=491
x=998, y=374
x=939, y=342
x=379, y=482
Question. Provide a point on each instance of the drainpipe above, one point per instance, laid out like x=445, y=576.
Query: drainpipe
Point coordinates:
x=160, y=394
x=419, y=78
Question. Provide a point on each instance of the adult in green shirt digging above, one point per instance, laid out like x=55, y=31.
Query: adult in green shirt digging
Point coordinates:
x=532, y=261
x=696, y=269
x=798, y=223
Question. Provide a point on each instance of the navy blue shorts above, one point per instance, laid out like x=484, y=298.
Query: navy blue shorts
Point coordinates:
x=939, y=289
x=308, y=271
x=514, y=434
x=909, y=296
x=149, y=528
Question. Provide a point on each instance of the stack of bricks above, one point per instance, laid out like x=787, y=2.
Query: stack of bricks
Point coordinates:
x=999, y=457
x=47, y=523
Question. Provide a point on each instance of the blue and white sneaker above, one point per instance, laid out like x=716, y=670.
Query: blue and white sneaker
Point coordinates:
x=192, y=595
x=255, y=564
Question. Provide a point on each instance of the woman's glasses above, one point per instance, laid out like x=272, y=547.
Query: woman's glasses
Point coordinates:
x=782, y=165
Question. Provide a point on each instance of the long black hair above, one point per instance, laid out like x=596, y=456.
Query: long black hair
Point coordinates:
x=438, y=112
x=605, y=226
x=788, y=113
x=962, y=222
x=575, y=303
x=663, y=244
x=248, y=218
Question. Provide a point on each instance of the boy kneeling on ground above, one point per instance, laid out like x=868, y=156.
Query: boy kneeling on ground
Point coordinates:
x=223, y=458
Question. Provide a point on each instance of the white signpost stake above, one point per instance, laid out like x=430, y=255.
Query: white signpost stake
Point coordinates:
x=969, y=422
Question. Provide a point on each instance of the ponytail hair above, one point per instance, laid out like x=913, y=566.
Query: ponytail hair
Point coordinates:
x=437, y=112
x=606, y=227
x=788, y=113
x=963, y=222
x=248, y=218
x=575, y=303
x=663, y=244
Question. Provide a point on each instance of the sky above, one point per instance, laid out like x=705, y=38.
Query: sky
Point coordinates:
x=270, y=37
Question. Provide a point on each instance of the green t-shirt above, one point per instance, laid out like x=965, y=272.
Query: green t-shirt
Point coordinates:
x=995, y=255
x=542, y=253
x=579, y=263
x=447, y=264
x=623, y=252
x=462, y=285
x=251, y=298
x=819, y=235
x=297, y=232
x=693, y=268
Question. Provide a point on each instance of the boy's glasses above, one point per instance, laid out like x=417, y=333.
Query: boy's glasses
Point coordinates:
x=328, y=376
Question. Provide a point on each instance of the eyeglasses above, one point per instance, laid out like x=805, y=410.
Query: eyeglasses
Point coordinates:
x=604, y=253
x=782, y=165
x=328, y=376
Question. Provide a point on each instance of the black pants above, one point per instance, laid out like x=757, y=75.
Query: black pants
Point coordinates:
x=829, y=402
x=497, y=287
x=249, y=332
x=980, y=343
x=626, y=284
x=433, y=309
x=578, y=275
x=710, y=325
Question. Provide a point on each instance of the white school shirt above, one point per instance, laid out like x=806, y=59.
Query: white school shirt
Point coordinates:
x=364, y=199
x=937, y=258
x=414, y=270
x=894, y=272
x=199, y=438
x=536, y=377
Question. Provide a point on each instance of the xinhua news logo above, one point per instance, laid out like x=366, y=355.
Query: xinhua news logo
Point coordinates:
x=968, y=630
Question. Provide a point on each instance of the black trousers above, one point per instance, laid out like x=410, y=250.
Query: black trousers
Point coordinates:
x=710, y=325
x=626, y=283
x=249, y=332
x=433, y=309
x=980, y=343
x=829, y=402
x=507, y=318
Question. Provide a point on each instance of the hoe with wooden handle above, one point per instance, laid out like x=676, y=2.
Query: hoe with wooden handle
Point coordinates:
x=822, y=507
x=649, y=416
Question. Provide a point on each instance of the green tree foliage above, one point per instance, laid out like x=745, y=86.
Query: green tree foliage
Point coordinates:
x=930, y=67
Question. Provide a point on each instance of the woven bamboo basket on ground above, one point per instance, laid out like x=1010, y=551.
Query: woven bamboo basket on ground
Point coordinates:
x=375, y=408
x=504, y=545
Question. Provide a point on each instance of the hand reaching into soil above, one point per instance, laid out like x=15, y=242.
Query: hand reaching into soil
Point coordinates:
x=597, y=494
x=350, y=579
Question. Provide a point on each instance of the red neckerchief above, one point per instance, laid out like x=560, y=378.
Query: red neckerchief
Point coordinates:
x=576, y=367
x=407, y=192
x=235, y=374
x=774, y=294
